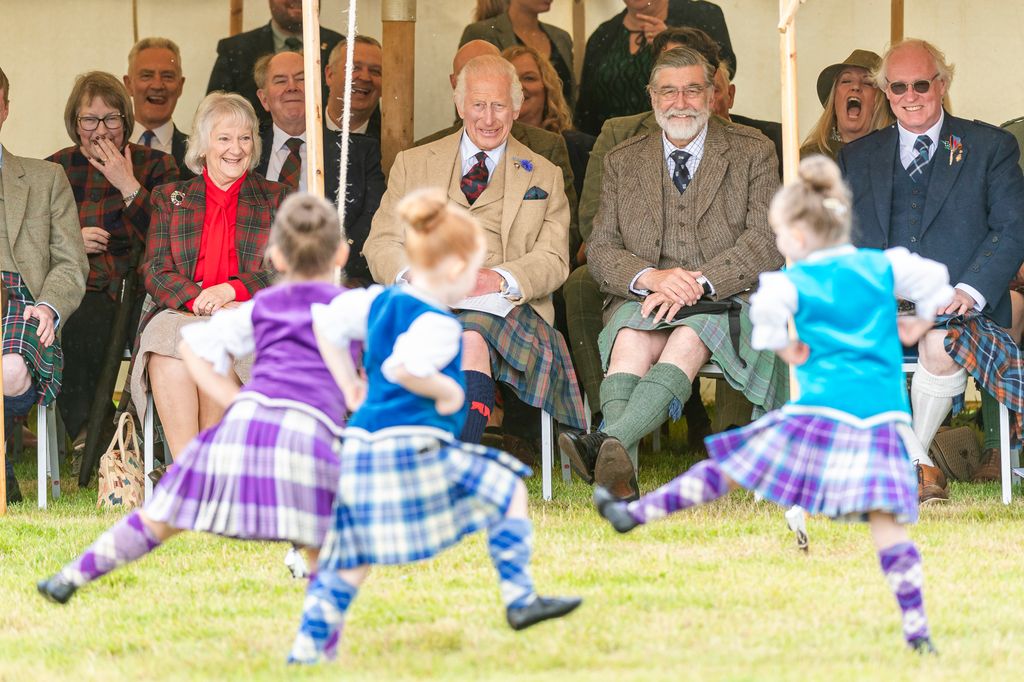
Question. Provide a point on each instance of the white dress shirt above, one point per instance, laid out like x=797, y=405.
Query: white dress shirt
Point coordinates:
x=164, y=136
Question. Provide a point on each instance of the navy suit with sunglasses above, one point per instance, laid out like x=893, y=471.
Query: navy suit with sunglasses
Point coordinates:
x=972, y=215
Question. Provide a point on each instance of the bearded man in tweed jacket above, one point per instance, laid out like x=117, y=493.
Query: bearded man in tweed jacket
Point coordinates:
x=683, y=221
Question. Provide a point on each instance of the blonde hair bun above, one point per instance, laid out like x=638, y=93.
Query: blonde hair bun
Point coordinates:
x=821, y=175
x=424, y=209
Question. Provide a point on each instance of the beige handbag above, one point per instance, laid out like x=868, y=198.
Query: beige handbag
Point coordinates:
x=956, y=453
x=121, y=476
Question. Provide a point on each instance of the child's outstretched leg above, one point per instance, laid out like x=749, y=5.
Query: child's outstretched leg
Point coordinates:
x=901, y=565
x=510, y=543
x=704, y=482
x=328, y=598
x=130, y=538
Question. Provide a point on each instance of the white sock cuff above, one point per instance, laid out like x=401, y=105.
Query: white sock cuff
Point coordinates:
x=948, y=386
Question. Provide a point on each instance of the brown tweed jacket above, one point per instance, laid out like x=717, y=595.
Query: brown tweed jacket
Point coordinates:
x=732, y=187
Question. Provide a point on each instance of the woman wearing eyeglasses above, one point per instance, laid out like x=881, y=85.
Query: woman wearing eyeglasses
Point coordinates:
x=111, y=180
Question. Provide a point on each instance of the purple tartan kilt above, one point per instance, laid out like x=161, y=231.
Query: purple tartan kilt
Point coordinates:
x=406, y=495
x=825, y=465
x=263, y=473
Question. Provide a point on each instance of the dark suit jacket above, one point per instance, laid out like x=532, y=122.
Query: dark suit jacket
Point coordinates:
x=973, y=214
x=365, y=187
x=237, y=55
x=770, y=129
x=176, y=234
x=179, y=143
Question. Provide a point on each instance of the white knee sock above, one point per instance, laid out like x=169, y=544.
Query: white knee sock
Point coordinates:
x=931, y=398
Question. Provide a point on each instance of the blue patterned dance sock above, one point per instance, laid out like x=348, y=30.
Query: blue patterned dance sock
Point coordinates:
x=901, y=565
x=126, y=541
x=480, y=391
x=510, y=543
x=703, y=483
x=328, y=598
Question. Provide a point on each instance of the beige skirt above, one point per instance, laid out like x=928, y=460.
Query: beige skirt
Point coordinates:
x=161, y=337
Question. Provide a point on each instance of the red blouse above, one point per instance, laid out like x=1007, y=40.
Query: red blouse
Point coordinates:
x=217, y=262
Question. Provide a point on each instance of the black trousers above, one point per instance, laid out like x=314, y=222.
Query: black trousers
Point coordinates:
x=85, y=338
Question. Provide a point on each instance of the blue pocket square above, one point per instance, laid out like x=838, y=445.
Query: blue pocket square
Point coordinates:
x=535, y=192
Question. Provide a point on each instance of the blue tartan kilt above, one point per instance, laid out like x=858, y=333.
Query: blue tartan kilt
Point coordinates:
x=407, y=493
x=826, y=465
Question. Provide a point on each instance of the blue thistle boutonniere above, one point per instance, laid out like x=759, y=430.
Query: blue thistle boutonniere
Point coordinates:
x=525, y=164
x=955, y=148
x=177, y=196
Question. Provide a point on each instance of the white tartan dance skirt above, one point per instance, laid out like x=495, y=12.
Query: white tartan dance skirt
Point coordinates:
x=823, y=462
x=407, y=493
x=265, y=472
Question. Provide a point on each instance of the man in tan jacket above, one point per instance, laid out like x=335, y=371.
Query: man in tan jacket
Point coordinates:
x=519, y=199
x=43, y=264
x=681, y=231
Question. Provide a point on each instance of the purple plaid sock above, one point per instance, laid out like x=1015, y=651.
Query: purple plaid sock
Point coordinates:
x=901, y=565
x=703, y=483
x=125, y=541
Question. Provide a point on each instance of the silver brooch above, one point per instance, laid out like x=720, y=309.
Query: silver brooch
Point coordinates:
x=177, y=197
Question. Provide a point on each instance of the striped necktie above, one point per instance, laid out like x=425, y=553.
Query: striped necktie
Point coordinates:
x=681, y=175
x=916, y=167
x=292, y=165
x=474, y=182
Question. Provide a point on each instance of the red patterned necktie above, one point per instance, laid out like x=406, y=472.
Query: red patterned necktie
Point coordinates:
x=292, y=165
x=474, y=182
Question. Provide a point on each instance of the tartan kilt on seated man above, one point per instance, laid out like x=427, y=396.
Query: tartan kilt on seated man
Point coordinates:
x=46, y=365
x=524, y=213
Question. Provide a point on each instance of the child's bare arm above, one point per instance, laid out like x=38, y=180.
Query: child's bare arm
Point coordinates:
x=339, y=363
x=446, y=393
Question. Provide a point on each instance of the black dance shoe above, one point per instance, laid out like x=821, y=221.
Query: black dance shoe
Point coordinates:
x=924, y=646
x=613, y=510
x=541, y=609
x=56, y=589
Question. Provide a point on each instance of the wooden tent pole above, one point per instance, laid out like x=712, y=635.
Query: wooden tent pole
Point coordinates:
x=235, y=17
x=787, y=56
x=314, y=104
x=579, y=36
x=896, y=22
x=135, y=21
x=399, y=75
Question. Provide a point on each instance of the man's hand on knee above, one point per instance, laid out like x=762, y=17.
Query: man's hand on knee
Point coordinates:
x=681, y=286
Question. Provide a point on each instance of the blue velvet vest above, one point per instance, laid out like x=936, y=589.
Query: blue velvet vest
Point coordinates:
x=907, y=205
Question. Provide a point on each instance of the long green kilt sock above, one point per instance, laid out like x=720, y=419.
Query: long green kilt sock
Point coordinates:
x=648, y=407
x=616, y=390
x=989, y=419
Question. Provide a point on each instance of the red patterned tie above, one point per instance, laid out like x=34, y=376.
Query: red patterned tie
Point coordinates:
x=474, y=182
x=292, y=164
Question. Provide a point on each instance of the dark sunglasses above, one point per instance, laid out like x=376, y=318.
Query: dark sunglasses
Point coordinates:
x=920, y=87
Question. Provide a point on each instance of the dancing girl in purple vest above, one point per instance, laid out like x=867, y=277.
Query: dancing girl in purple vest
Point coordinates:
x=269, y=469
x=845, y=447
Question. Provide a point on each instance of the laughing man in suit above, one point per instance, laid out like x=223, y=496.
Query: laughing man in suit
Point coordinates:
x=683, y=220
x=950, y=190
x=519, y=199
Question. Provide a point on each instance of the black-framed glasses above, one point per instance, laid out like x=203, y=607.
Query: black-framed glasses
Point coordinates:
x=920, y=87
x=110, y=122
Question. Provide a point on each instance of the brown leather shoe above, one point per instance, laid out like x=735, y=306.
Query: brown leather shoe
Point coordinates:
x=931, y=485
x=522, y=449
x=990, y=469
x=614, y=470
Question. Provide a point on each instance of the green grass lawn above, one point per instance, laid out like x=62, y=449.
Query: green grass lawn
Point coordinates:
x=720, y=593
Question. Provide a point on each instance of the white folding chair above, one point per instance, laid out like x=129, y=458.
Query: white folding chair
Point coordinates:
x=547, y=454
x=1006, y=474
x=47, y=462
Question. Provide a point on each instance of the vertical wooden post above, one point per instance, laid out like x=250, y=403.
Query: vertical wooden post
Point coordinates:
x=235, y=17
x=579, y=36
x=399, y=74
x=314, y=105
x=896, y=22
x=787, y=56
x=135, y=21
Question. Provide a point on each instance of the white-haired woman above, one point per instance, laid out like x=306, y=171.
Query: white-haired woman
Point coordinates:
x=204, y=252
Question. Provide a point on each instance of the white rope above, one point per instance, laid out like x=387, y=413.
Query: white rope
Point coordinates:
x=345, y=113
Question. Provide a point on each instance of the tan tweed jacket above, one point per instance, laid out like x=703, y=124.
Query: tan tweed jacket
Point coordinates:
x=534, y=232
x=736, y=179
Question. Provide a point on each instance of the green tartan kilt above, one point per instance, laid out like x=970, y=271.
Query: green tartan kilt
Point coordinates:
x=760, y=375
x=46, y=365
x=530, y=355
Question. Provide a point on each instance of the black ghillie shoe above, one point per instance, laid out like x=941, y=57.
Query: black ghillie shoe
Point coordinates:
x=614, y=510
x=56, y=589
x=923, y=646
x=581, y=449
x=541, y=609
